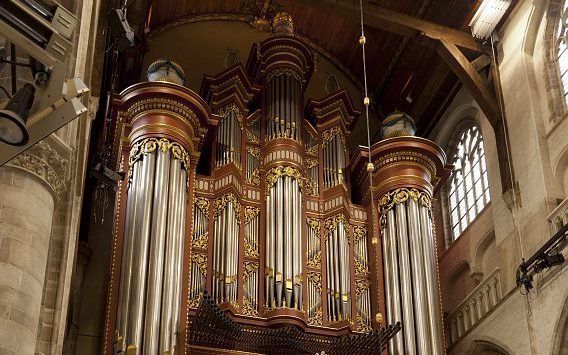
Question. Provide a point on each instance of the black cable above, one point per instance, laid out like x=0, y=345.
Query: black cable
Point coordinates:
x=6, y=91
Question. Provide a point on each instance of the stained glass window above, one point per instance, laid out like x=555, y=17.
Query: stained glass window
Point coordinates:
x=469, y=192
x=562, y=49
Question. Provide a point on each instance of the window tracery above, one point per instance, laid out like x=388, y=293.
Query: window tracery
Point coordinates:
x=468, y=187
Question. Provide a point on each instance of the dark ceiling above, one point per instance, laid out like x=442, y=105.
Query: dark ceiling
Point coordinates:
x=404, y=72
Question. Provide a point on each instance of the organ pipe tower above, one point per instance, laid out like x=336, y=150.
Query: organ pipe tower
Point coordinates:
x=276, y=227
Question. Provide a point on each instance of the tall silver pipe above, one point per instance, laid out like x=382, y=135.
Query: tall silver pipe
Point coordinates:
x=430, y=278
x=393, y=285
x=405, y=279
x=417, y=267
x=156, y=257
x=141, y=253
x=169, y=280
x=180, y=233
x=128, y=244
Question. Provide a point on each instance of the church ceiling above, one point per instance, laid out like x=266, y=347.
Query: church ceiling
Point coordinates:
x=404, y=69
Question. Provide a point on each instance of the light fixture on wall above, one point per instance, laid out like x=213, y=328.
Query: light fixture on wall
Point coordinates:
x=487, y=17
x=13, y=117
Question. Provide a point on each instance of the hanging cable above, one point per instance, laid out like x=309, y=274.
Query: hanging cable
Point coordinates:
x=370, y=166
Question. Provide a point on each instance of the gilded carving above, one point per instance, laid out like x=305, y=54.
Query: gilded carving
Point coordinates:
x=222, y=202
x=313, y=150
x=389, y=200
x=250, y=267
x=149, y=145
x=310, y=163
x=203, y=204
x=251, y=137
x=332, y=222
x=254, y=151
x=223, y=111
x=275, y=173
x=330, y=133
x=314, y=280
x=250, y=213
x=254, y=177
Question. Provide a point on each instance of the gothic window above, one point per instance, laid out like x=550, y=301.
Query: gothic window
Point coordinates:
x=468, y=191
x=562, y=48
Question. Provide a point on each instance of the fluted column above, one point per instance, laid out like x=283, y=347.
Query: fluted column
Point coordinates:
x=29, y=188
x=407, y=170
x=164, y=124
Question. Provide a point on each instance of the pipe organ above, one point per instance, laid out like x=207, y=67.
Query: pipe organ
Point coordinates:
x=272, y=228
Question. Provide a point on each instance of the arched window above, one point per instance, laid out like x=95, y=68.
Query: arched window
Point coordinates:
x=468, y=191
x=562, y=48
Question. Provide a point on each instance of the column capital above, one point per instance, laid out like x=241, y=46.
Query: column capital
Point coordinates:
x=46, y=161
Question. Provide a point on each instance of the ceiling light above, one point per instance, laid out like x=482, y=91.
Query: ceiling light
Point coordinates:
x=13, y=117
x=487, y=16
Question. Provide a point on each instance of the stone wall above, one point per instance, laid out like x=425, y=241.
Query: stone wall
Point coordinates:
x=506, y=233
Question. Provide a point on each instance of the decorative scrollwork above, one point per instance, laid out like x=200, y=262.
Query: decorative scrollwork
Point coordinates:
x=201, y=241
x=313, y=150
x=203, y=204
x=315, y=260
x=275, y=173
x=254, y=177
x=317, y=318
x=222, y=202
x=250, y=267
x=361, y=286
x=254, y=151
x=314, y=223
x=360, y=267
x=389, y=200
x=330, y=133
x=359, y=233
x=332, y=222
x=315, y=279
x=251, y=137
x=250, y=213
x=149, y=145
x=310, y=163
x=362, y=325
x=223, y=111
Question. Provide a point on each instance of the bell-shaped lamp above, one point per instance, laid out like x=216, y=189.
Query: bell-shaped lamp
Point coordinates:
x=13, y=117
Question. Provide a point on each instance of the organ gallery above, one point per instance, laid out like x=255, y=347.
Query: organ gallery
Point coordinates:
x=244, y=209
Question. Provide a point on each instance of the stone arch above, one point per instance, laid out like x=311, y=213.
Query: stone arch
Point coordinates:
x=554, y=86
x=560, y=346
x=487, y=347
x=457, y=285
x=484, y=248
x=560, y=170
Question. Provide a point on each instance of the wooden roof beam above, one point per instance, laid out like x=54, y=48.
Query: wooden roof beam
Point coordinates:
x=483, y=94
x=396, y=22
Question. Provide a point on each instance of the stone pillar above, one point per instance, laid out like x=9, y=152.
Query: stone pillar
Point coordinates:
x=29, y=185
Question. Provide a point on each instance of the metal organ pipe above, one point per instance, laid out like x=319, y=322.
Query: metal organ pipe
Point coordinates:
x=390, y=263
x=141, y=252
x=428, y=248
x=417, y=266
x=156, y=261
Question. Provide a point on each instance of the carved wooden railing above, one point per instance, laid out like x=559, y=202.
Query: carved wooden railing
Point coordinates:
x=474, y=307
x=559, y=217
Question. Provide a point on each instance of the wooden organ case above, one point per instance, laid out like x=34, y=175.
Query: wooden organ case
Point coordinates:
x=271, y=233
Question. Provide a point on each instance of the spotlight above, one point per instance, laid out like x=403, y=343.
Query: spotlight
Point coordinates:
x=119, y=25
x=40, y=72
x=13, y=117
